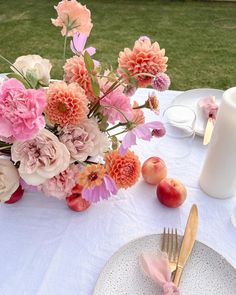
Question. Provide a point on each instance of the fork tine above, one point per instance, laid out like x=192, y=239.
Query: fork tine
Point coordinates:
x=176, y=246
x=172, y=245
x=168, y=243
x=163, y=240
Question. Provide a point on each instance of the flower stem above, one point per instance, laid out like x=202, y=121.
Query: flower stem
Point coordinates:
x=7, y=61
x=118, y=133
x=115, y=126
x=5, y=147
x=139, y=107
x=65, y=43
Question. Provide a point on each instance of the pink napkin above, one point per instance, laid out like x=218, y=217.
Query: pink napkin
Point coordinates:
x=158, y=269
x=209, y=107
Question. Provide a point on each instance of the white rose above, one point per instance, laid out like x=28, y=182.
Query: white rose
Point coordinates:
x=40, y=158
x=9, y=179
x=35, y=65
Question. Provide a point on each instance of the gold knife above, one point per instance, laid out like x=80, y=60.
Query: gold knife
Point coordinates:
x=187, y=242
x=209, y=128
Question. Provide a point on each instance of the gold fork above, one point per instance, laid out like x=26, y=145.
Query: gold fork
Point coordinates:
x=171, y=247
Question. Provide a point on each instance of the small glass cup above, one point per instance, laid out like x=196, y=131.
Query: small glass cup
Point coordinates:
x=179, y=122
x=175, y=147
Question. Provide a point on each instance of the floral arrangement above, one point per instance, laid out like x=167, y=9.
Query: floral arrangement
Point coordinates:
x=63, y=138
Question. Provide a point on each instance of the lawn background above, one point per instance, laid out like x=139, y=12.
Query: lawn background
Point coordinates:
x=199, y=37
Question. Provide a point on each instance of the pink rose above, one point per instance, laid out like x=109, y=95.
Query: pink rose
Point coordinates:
x=20, y=111
x=40, y=158
x=61, y=185
x=84, y=140
x=9, y=179
x=73, y=17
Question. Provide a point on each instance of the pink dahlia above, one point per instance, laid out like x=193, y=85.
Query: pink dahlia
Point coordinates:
x=73, y=17
x=146, y=57
x=75, y=71
x=161, y=82
x=67, y=104
x=116, y=105
x=61, y=185
x=20, y=111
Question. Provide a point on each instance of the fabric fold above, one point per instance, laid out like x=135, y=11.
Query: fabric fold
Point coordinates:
x=158, y=269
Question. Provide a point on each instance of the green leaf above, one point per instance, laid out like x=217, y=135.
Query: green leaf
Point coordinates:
x=19, y=78
x=125, y=71
x=115, y=142
x=88, y=62
x=103, y=124
x=32, y=78
x=95, y=85
x=133, y=81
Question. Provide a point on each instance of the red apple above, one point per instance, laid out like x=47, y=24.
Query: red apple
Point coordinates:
x=154, y=170
x=75, y=201
x=171, y=192
x=16, y=196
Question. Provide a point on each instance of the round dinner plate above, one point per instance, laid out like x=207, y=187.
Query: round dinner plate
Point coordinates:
x=191, y=98
x=206, y=272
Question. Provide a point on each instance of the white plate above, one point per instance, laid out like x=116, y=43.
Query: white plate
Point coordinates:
x=191, y=98
x=206, y=272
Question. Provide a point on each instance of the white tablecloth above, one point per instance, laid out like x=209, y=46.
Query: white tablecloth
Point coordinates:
x=47, y=249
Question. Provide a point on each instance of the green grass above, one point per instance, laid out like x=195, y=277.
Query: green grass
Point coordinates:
x=199, y=37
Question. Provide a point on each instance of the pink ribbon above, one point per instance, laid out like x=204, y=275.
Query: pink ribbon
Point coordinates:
x=209, y=107
x=158, y=269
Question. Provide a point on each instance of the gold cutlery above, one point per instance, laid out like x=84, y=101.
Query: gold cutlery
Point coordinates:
x=209, y=128
x=187, y=242
x=170, y=246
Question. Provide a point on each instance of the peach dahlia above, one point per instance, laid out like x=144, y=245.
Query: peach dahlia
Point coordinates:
x=66, y=104
x=125, y=170
x=146, y=57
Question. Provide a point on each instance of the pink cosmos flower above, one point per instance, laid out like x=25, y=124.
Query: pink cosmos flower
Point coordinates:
x=77, y=45
x=72, y=17
x=143, y=131
x=114, y=105
x=20, y=111
x=102, y=191
x=61, y=185
x=161, y=82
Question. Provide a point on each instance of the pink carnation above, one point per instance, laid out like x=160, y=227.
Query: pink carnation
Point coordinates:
x=144, y=58
x=74, y=17
x=115, y=104
x=61, y=185
x=20, y=111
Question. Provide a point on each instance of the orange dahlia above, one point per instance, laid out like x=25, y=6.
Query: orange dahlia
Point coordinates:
x=75, y=71
x=92, y=176
x=125, y=170
x=144, y=58
x=66, y=104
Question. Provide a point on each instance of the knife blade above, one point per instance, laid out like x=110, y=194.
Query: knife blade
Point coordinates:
x=208, y=131
x=209, y=128
x=187, y=242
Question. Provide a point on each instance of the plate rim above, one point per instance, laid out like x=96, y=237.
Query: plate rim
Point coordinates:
x=140, y=238
x=192, y=90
